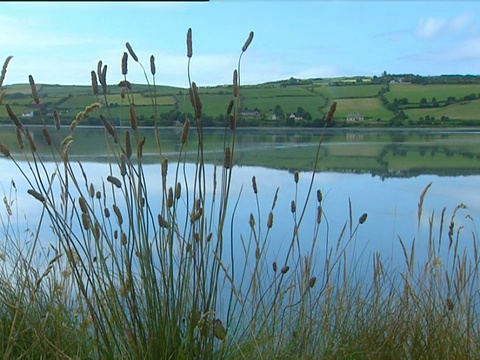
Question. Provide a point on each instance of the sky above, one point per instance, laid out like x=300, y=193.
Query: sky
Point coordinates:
x=62, y=42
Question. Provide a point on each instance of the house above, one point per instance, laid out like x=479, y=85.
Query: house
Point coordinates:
x=250, y=113
x=295, y=116
x=354, y=117
x=27, y=113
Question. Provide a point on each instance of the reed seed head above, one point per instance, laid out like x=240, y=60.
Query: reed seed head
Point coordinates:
x=252, y=221
x=123, y=238
x=162, y=222
x=319, y=214
x=34, y=89
x=133, y=118
x=104, y=79
x=164, y=169
x=285, y=269
x=274, y=266
x=248, y=42
x=270, y=220
x=296, y=177
x=235, y=83
x=319, y=196
x=99, y=71
x=152, y=65
x=331, y=112
x=106, y=212
x=227, y=158
x=109, y=127
x=254, y=185
x=4, y=69
x=94, y=82
x=293, y=206
x=178, y=191
x=198, y=102
x=117, y=212
x=115, y=181
x=83, y=204
x=232, y=122
x=36, y=195
x=19, y=138
x=189, y=43
x=230, y=107
x=312, y=282
x=56, y=119
x=13, y=117
x=98, y=195
x=170, y=197
x=124, y=63
x=209, y=237
x=86, y=222
x=123, y=167
x=91, y=190
x=140, y=147
x=363, y=218
x=4, y=150
x=2, y=95
x=33, y=146
x=47, y=137
x=184, y=136
x=131, y=52
x=128, y=145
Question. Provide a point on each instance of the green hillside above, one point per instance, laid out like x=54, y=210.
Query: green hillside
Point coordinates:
x=390, y=100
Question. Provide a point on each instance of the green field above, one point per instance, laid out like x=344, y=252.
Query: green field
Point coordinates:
x=310, y=98
x=414, y=93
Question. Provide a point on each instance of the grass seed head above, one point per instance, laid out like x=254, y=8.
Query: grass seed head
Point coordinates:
x=274, y=266
x=230, y=107
x=254, y=185
x=235, y=83
x=319, y=196
x=4, y=150
x=4, y=69
x=133, y=118
x=13, y=117
x=162, y=222
x=186, y=128
x=363, y=218
x=131, y=52
x=227, y=158
x=115, y=181
x=331, y=112
x=117, y=212
x=2, y=96
x=33, y=146
x=178, y=191
x=34, y=89
x=270, y=220
x=296, y=177
x=312, y=282
x=285, y=269
x=248, y=42
x=152, y=65
x=128, y=145
x=19, y=138
x=36, y=195
x=124, y=63
x=94, y=82
x=293, y=206
x=189, y=43
x=47, y=137
x=56, y=119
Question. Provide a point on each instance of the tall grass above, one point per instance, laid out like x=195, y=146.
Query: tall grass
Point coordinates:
x=129, y=275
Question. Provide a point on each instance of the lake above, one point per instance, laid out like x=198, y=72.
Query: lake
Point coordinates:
x=378, y=172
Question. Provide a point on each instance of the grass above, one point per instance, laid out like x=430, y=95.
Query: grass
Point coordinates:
x=134, y=277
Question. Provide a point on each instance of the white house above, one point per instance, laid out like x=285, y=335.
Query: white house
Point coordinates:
x=27, y=113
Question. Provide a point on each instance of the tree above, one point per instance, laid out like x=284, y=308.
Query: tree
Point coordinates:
x=278, y=111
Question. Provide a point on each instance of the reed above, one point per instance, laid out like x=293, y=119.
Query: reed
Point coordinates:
x=128, y=275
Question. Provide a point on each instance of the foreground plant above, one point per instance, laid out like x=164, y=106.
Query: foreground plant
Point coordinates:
x=134, y=276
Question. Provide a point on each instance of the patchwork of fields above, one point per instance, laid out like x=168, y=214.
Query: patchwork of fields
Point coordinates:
x=276, y=104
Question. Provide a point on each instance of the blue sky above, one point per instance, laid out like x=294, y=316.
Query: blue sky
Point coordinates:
x=60, y=43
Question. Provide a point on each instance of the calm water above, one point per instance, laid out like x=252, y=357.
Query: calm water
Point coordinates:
x=378, y=182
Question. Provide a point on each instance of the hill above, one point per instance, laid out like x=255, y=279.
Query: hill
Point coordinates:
x=388, y=100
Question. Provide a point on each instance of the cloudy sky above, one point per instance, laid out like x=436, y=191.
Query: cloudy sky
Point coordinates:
x=60, y=43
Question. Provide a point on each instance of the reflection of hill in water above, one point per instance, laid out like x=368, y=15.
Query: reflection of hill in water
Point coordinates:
x=384, y=153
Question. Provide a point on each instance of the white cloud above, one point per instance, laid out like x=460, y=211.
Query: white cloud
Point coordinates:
x=430, y=27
